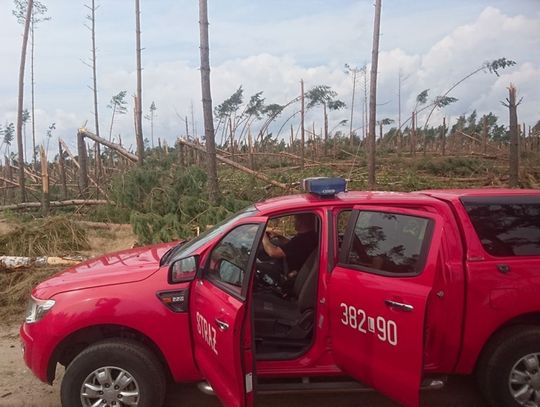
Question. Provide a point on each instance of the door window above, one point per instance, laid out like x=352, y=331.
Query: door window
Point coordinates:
x=388, y=243
x=229, y=259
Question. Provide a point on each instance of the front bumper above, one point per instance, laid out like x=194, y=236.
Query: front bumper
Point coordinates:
x=33, y=355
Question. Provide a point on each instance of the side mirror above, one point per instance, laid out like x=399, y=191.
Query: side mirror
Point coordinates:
x=183, y=270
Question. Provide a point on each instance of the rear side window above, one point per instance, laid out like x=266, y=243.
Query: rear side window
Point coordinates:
x=507, y=226
x=389, y=243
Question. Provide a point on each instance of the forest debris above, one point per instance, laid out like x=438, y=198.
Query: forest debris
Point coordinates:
x=53, y=236
x=19, y=262
x=240, y=167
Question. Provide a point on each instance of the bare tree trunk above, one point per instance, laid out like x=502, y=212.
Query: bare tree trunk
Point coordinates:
x=303, y=130
x=443, y=137
x=94, y=87
x=9, y=177
x=514, y=137
x=413, y=134
x=138, y=100
x=63, y=180
x=112, y=122
x=20, y=146
x=325, y=148
x=373, y=95
x=250, y=150
x=45, y=200
x=33, y=104
x=83, y=164
x=484, y=135
x=400, y=137
x=231, y=133
x=354, y=71
x=213, y=187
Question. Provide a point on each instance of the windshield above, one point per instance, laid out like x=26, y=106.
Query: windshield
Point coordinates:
x=186, y=249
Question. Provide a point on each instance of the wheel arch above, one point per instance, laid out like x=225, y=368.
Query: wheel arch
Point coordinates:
x=79, y=340
x=529, y=319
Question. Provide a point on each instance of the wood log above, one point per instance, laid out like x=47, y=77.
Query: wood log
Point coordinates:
x=18, y=262
x=55, y=204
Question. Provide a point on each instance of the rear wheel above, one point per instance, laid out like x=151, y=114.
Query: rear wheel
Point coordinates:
x=114, y=373
x=509, y=371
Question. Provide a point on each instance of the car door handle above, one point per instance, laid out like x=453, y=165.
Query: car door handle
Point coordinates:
x=399, y=306
x=223, y=326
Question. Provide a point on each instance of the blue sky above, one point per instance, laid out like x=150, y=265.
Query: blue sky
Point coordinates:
x=270, y=46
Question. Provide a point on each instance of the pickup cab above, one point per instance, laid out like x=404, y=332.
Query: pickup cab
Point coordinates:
x=399, y=291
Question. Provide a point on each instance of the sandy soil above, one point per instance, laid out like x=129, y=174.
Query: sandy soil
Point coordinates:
x=18, y=386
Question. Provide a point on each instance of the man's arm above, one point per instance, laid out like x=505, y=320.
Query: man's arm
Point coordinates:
x=272, y=250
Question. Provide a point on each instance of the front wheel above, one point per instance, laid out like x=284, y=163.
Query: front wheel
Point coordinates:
x=114, y=373
x=509, y=371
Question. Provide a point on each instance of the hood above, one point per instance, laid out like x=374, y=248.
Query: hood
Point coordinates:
x=115, y=268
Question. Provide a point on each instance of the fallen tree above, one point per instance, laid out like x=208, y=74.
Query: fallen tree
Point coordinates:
x=55, y=204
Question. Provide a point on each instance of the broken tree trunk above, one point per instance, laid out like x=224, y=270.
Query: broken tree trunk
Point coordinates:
x=514, y=137
x=44, y=182
x=83, y=165
x=62, y=163
x=68, y=152
x=113, y=146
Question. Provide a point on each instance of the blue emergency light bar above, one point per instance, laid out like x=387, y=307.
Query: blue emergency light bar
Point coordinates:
x=323, y=186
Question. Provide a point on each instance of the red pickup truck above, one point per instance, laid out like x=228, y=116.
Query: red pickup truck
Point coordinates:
x=401, y=290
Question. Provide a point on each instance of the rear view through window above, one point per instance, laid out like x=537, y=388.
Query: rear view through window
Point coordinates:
x=507, y=226
x=390, y=243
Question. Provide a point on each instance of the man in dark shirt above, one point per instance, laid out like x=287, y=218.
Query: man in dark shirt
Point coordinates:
x=297, y=250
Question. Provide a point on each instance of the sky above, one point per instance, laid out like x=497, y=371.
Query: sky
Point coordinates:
x=269, y=46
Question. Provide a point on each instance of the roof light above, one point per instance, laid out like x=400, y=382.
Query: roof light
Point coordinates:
x=323, y=186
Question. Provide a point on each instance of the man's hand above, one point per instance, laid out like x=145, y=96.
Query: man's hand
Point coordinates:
x=271, y=249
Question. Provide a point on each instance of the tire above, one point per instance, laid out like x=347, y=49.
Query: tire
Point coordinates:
x=130, y=367
x=515, y=351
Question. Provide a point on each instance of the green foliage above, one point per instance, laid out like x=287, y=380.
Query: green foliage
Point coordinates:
x=166, y=202
x=118, y=103
x=230, y=105
x=452, y=166
x=38, y=9
x=323, y=95
x=442, y=101
x=496, y=65
x=8, y=133
x=421, y=98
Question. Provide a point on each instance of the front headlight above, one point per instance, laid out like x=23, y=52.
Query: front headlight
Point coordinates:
x=37, y=309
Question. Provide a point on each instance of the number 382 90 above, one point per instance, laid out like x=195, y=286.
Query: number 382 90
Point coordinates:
x=356, y=318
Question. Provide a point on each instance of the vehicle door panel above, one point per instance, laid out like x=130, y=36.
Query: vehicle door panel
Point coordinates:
x=219, y=316
x=378, y=306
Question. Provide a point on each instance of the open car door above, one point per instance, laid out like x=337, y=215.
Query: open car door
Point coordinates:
x=378, y=296
x=220, y=322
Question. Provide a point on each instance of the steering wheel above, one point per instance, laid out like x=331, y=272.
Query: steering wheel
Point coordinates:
x=271, y=272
